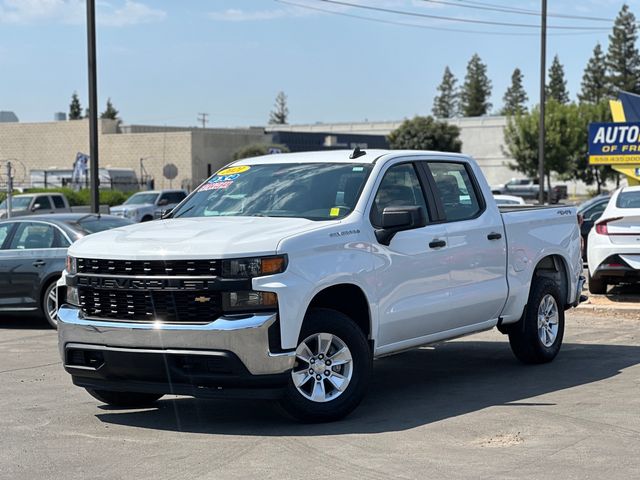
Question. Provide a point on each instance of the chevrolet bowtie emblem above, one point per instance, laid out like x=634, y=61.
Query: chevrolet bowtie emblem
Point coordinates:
x=202, y=299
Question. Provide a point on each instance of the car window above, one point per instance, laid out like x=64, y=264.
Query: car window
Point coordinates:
x=5, y=230
x=43, y=202
x=58, y=201
x=400, y=187
x=628, y=199
x=595, y=212
x=456, y=190
x=33, y=235
x=172, y=197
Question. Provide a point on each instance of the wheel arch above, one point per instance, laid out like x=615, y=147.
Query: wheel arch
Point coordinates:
x=349, y=299
x=555, y=267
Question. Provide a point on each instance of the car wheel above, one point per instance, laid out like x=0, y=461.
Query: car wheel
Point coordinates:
x=147, y=218
x=49, y=304
x=332, y=369
x=537, y=337
x=124, y=399
x=597, y=286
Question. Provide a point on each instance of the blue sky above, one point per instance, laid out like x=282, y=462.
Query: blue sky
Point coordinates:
x=162, y=62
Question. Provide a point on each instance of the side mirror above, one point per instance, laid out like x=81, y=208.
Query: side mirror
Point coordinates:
x=36, y=206
x=162, y=202
x=398, y=219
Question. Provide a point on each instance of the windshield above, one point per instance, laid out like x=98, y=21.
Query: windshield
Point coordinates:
x=629, y=199
x=141, y=198
x=93, y=224
x=17, y=203
x=317, y=191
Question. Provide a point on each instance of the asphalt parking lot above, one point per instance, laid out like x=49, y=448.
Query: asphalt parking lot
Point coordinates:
x=464, y=409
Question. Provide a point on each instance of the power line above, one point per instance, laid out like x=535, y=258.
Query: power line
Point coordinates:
x=458, y=19
x=516, y=10
x=202, y=117
x=427, y=27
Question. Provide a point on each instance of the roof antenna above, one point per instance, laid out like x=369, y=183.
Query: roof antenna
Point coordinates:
x=357, y=153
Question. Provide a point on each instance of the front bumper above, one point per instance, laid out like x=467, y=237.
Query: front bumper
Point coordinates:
x=171, y=358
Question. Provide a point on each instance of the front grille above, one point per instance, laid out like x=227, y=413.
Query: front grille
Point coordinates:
x=164, y=306
x=149, y=267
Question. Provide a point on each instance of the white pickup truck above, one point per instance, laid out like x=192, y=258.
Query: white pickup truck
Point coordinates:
x=284, y=277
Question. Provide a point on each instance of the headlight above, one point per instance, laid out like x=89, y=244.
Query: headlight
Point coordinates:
x=130, y=213
x=249, y=301
x=72, y=297
x=254, y=267
x=72, y=265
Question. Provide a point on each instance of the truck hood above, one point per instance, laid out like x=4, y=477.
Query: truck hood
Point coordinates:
x=193, y=238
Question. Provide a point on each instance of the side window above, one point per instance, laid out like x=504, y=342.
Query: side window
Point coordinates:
x=171, y=197
x=5, y=230
x=43, y=202
x=400, y=186
x=456, y=190
x=58, y=201
x=33, y=235
x=595, y=212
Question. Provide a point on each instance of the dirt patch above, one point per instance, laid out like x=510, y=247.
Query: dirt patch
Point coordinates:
x=500, y=440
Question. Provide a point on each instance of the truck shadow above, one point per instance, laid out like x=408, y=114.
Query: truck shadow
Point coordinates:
x=23, y=321
x=408, y=390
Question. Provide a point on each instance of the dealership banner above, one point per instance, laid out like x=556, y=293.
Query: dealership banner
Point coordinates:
x=614, y=143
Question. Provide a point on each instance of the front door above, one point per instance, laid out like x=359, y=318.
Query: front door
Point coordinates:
x=412, y=271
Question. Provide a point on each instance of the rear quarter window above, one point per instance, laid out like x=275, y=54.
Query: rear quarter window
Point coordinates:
x=628, y=199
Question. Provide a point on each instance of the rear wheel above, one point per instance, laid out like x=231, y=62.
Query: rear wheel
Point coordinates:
x=124, y=399
x=537, y=338
x=49, y=304
x=597, y=285
x=332, y=369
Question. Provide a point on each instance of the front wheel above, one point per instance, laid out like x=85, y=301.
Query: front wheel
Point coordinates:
x=124, y=399
x=332, y=369
x=537, y=337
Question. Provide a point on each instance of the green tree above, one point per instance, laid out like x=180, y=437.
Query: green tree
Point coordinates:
x=75, y=109
x=280, y=112
x=564, y=134
x=445, y=104
x=257, y=150
x=557, y=86
x=623, y=59
x=110, y=112
x=594, y=86
x=476, y=90
x=425, y=133
x=515, y=98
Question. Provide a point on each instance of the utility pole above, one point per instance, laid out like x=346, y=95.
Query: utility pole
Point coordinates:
x=9, y=188
x=93, y=105
x=202, y=117
x=541, y=133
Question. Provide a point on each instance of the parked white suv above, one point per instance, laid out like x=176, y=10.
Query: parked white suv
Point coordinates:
x=145, y=206
x=284, y=276
x=613, y=249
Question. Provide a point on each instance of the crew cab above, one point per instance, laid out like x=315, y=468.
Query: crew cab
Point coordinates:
x=285, y=276
x=145, y=206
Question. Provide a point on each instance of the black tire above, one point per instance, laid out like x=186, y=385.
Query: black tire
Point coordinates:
x=524, y=337
x=125, y=399
x=323, y=320
x=44, y=304
x=597, y=286
x=146, y=218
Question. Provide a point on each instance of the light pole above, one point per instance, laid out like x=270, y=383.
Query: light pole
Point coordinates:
x=541, y=133
x=93, y=106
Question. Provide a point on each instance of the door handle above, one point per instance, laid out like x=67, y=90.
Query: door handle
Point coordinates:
x=494, y=236
x=39, y=263
x=435, y=243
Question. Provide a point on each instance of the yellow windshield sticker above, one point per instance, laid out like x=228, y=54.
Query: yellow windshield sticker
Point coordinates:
x=232, y=170
x=335, y=211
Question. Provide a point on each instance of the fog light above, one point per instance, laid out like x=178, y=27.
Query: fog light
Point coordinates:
x=249, y=300
x=72, y=297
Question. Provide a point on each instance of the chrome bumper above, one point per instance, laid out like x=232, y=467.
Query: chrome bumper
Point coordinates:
x=247, y=338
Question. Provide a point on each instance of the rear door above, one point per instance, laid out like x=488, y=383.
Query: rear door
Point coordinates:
x=43, y=204
x=7, y=296
x=476, y=244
